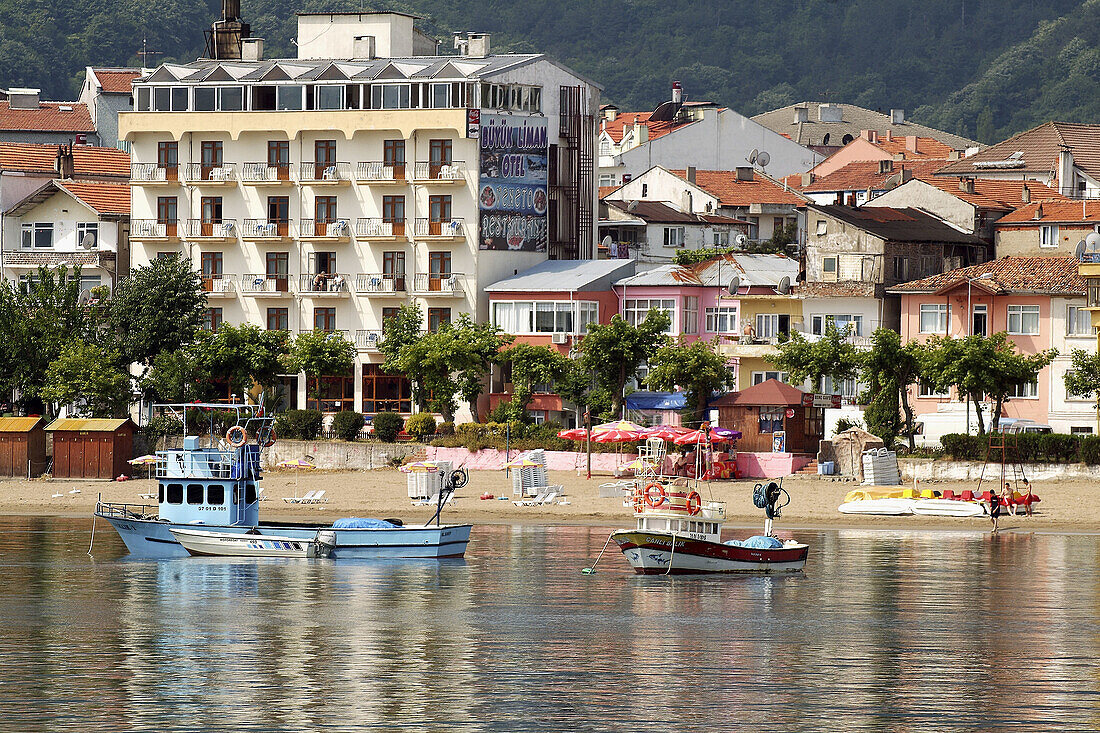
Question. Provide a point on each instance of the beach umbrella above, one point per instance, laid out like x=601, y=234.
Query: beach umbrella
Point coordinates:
x=698, y=436
x=146, y=460
x=420, y=467
x=618, y=425
x=617, y=436
x=573, y=434
x=640, y=464
x=521, y=462
x=666, y=432
x=299, y=463
x=725, y=432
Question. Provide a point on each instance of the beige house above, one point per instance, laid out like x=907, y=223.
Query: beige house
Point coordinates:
x=1046, y=228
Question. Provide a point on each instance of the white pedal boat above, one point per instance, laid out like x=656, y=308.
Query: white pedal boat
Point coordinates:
x=885, y=507
x=245, y=544
x=948, y=508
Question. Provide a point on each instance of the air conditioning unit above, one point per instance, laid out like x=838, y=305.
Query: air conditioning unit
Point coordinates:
x=559, y=338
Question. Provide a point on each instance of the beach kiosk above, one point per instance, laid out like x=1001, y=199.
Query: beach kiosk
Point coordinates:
x=22, y=447
x=91, y=447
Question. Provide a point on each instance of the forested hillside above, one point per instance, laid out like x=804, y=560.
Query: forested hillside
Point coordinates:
x=980, y=68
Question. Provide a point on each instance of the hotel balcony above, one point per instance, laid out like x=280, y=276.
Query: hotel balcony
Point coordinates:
x=453, y=230
x=380, y=174
x=262, y=174
x=430, y=285
x=440, y=173
x=380, y=285
x=151, y=230
x=151, y=174
x=262, y=285
x=262, y=230
x=325, y=174
x=325, y=231
x=324, y=285
x=218, y=286
x=334, y=332
x=204, y=174
x=367, y=340
x=381, y=230
x=214, y=231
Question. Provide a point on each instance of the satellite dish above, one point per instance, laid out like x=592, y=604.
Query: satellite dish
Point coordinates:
x=735, y=284
x=763, y=159
x=1079, y=250
x=784, y=285
x=740, y=239
x=85, y=297
x=1092, y=242
x=88, y=241
x=606, y=242
x=752, y=156
x=631, y=206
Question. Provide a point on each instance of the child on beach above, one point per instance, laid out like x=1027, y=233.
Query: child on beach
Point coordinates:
x=995, y=508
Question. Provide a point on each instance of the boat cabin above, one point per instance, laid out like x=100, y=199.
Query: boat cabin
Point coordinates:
x=696, y=529
x=209, y=485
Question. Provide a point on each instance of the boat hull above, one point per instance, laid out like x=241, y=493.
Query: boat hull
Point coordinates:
x=654, y=553
x=884, y=507
x=152, y=538
x=225, y=544
x=948, y=508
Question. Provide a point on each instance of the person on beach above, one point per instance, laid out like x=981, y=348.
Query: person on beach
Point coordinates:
x=995, y=509
x=1028, y=498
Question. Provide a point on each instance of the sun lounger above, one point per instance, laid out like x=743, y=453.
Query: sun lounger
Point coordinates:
x=532, y=502
x=300, y=499
x=318, y=498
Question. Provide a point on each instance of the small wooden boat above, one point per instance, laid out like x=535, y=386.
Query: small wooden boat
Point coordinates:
x=250, y=544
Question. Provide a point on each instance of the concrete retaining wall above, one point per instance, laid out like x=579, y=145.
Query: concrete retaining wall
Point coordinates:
x=340, y=455
x=927, y=469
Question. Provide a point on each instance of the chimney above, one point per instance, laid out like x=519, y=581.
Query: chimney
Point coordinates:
x=744, y=173
x=363, y=47
x=954, y=155
x=677, y=92
x=869, y=135
x=899, y=156
x=23, y=98
x=610, y=114
x=807, y=179
x=690, y=174
x=1038, y=212
x=906, y=175
x=64, y=164
x=225, y=38
x=911, y=144
x=966, y=184
x=801, y=115
x=885, y=166
x=252, y=49
x=830, y=113
x=1025, y=194
x=889, y=136
x=478, y=45
x=641, y=132
x=897, y=117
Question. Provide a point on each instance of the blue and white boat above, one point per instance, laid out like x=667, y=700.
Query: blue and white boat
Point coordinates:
x=216, y=489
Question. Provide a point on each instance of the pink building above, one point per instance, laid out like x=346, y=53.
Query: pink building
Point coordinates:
x=1038, y=301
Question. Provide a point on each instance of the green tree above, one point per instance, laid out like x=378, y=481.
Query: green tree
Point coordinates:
x=531, y=365
x=695, y=368
x=481, y=345
x=831, y=356
x=90, y=374
x=177, y=376
x=320, y=354
x=613, y=352
x=159, y=307
x=887, y=371
x=1083, y=378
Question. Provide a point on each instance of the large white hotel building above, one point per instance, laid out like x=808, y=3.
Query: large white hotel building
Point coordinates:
x=324, y=192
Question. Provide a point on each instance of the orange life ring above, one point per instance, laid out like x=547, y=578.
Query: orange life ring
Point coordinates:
x=236, y=436
x=694, y=503
x=269, y=440
x=654, y=495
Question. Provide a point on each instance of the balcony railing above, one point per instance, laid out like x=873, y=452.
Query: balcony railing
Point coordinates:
x=426, y=283
x=264, y=229
x=380, y=172
x=431, y=228
x=379, y=283
x=222, y=173
x=337, y=229
x=265, y=283
x=153, y=229
x=449, y=172
x=325, y=172
x=367, y=339
x=322, y=282
x=224, y=229
x=342, y=332
x=153, y=173
x=217, y=284
x=374, y=227
x=265, y=173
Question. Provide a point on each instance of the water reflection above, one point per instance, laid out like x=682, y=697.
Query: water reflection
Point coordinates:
x=897, y=630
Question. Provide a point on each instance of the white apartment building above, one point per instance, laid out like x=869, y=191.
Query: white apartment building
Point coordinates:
x=325, y=192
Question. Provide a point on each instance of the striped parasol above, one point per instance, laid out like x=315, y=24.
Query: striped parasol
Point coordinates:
x=298, y=463
x=420, y=467
x=146, y=460
x=521, y=462
x=618, y=425
x=617, y=436
x=573, y=434
x=698, y=436
x=666, y=432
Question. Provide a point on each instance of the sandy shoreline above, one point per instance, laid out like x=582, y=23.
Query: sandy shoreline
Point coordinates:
x=1067, y=506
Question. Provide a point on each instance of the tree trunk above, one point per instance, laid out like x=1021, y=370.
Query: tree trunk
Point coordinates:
x=473, y=409
x=997, y=413
x=978, y=410
x=907, y=410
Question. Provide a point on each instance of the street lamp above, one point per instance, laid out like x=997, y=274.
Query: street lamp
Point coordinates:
x=970, y=328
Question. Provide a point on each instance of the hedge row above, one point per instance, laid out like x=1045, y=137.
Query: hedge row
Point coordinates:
x=1029, y=448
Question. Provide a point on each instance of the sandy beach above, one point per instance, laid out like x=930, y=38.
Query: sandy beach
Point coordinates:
x=1066, y=506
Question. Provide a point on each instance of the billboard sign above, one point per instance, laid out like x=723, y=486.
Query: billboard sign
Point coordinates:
x=513, y=200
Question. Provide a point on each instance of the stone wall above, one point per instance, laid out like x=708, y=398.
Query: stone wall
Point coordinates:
x=340, y=455
x=925, y=469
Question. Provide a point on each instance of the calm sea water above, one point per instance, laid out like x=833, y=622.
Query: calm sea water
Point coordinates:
x=883, y=631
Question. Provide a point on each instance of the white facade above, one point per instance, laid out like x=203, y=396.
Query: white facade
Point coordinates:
x=1065, y=413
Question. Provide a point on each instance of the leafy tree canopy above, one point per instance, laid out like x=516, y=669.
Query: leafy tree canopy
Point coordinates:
x=89, y=375
x=159, y=307
x=695, y=368
x=612, y=352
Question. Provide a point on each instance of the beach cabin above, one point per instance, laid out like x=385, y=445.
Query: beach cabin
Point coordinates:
x=92, y=447
x=22, y=447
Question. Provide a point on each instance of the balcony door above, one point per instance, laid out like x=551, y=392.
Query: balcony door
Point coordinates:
x=393, y=152
x=278, y=213
x=439, y=155
x=167, y=215
x=393, y=213
x=168, y=159
x=439, y=208
x=439, y=269
x=211, y=214
x=393, y=268
x=324, y=156
x=211, y=157
x=324, y=213
x=278, y=157
x=278, y=268
x=211, y=269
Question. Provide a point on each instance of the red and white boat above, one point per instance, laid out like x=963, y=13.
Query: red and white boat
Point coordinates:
x=677, y=532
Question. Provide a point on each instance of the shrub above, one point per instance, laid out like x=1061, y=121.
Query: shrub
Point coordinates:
x=158, y=427
x=964, y=447
x=300, y=424
x=470, y=430
x=387, y=425
x=845, y=423
x=347, y=425
x=445, y=428
x=1090, y=449
x=421, y=426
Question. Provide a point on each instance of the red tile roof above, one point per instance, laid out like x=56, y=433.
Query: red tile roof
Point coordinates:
x=732, y=192
x=927, y=147
x=1049, y=212
x=88, y=160
x=1018, y=275
x=1036, y=151
x=616, y=128
x=103, y=198
x=863, y=174
x=768, y=392
x=116, y=81
x=991, y=193
x=49, y=117
x=605, y=190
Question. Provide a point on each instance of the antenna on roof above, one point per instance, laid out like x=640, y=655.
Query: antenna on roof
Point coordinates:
x=734, y=285
x=752, y=156
x=145, y=53
x=763, y=158
x=88, y=241
x=784, y=285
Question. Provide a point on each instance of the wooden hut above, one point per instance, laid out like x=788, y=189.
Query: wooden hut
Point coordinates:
x=22, y=446
x=775, y=417
x=91, y=447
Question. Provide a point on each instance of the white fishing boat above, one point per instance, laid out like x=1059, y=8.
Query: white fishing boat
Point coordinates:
x=252, y=544
x=948, y=508
x=886, y=507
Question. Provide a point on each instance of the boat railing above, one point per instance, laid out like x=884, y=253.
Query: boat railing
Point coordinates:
x=126, y=511
x=201, y=463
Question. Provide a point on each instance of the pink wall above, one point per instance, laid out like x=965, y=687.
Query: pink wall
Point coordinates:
x=708, y=298
x=858, y=149
x=770, y=465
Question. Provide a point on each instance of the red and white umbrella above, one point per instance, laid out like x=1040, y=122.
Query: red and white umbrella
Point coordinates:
x=573, y=434
x=618, y=436
x=667, y=432
x=618, y=425
x=698, y=436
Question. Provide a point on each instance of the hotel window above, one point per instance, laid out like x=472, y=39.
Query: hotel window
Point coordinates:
x=324, y=209
x=393, y=268
x=391, y=96
x=691, y=314
x=277, y=268
x=1025, y=390
x=278, y=156
x=933, y=318
x=770, y=325
x=329, y=97
x=722, y=319
x=393, y=154
x=38, y=235
x=854, y=324
x=759, y=377
x=1023, y=320
x=166, y=214
x=440, y=96
x=168, y=159
x=1048, y=236
x=211, y=263
x=1078, y=321
x=438, y=317
x=85, y=229
x=393, y=213
x=635, y=310
x=278, y=319
x=288, y=97
x=822, y=227
x=674, y=236
x=383, y=392
x=324, y=319
x=439, y=211
x=212, y=319
x=170, y=99
x=225, y=99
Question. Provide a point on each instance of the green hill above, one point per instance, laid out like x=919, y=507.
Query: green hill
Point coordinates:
x=948, y=62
